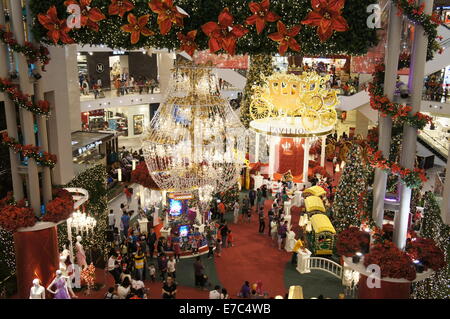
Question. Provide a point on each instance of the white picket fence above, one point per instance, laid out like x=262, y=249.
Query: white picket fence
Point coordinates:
x=326, y=265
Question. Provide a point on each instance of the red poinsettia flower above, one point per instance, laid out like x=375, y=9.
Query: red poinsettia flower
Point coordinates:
x=224, y=34
x=261, y=15
x=57, y=29
x=285, y=37
x=120, y=7
x=327, y=16
x=188, y=42
x=89, y=16
x=168, y=14
x=137, y=27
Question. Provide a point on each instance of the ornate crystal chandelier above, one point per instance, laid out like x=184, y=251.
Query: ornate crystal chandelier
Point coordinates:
x=195, y=138
x=81, y=222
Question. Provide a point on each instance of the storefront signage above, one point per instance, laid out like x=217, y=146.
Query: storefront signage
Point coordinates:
x=180, y=196
x=100, y=68
x=286, y=130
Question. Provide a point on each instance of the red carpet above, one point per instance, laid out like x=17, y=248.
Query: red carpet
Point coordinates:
x=254, y=257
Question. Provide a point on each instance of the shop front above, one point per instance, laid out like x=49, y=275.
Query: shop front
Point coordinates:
x=92, y=148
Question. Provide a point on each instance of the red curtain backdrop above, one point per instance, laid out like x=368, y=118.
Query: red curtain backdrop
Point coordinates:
x=291, y=159
x=37, y=256
x=388, y=290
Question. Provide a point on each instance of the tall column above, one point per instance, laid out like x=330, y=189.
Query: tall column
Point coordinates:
x=271, y=156
x=60, y=84
x=306, y=160
x=409, y=145
x=27, y=116
x=385, y=123
x=322, y=151
x=362, y=125
x=165, y=65
x=257, y=148
x=11, y=120
x=43, y=139
x=445, y=209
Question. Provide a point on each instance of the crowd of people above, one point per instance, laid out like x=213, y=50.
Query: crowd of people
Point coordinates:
x=346, y=84
x=123, y=84
x=435, y=89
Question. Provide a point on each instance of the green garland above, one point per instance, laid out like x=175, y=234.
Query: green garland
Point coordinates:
x=398, y=112
x=429, y=23
x=23, y=100
x=32, y=53
x=30, y=151
x=354, y=42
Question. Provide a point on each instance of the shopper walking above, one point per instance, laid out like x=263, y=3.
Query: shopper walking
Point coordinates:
x=224, y=233
x=236, y=212
x=171, y=267
x=199, y=272
x=262, y=222
x=139, y=263
x=252, y=197
x=211, y=245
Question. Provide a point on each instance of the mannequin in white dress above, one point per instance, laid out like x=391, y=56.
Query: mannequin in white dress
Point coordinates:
x=37, y=291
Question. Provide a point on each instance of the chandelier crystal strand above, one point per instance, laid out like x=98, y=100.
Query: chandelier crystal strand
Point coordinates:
x=195, y=138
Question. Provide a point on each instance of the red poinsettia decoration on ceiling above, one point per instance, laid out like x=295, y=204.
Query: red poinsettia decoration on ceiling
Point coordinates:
x=57, y=29
x=188, y=42
x=286, y=38
x=327, y=16
x=168, y=14
x=89, y=16
x=223, y=34
x=137, y=26
x=120, y=7
x=261, y=15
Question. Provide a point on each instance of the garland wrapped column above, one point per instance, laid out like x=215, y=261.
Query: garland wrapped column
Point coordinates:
x=10, y=112
x=385, y=122
x=27, y=116
x=416, y=75
x=260, y=66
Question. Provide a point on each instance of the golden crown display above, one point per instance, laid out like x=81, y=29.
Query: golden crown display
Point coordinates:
x=301, y=101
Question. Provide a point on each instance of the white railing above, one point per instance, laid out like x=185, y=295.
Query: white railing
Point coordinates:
x=326, y=265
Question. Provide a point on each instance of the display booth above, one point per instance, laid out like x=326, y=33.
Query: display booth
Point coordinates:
x=292, y=112
x=184, y=226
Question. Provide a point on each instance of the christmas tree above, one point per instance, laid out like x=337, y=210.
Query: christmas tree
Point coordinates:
x=436, y=286
x=352, y=186
x=260, y=66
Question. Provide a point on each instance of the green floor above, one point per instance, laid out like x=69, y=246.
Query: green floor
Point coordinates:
x=314, y=284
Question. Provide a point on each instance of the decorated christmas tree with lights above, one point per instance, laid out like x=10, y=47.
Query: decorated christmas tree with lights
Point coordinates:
x=260, y=66
x=352, y=185
x=436, y=286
